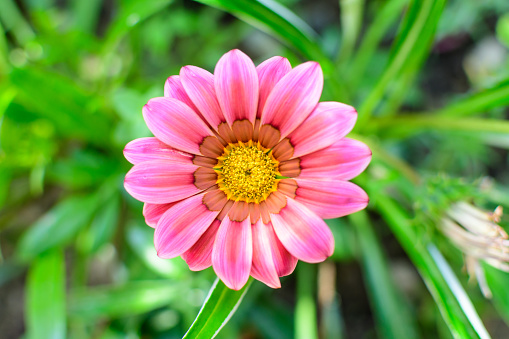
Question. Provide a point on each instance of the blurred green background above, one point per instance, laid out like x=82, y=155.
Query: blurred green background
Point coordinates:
x=430, y=80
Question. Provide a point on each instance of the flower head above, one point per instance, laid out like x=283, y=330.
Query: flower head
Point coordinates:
x=244, y=165
x=477, y=235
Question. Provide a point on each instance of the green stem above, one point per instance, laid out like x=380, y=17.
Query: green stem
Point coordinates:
x=305, y=310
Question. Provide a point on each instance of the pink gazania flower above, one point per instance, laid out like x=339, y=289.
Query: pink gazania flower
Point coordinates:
x=244, y=165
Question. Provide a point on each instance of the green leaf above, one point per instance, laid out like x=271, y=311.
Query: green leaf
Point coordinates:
x=404, y=125
x=392, y=315
x=409, y=50
x=450, y=297
x=503, y=29
x=141, y=240
x=305, y=308
x=57, y=227
x=60, y=100
x=351, y=21
x=103, y=225
x=497, y=96
x=384, y=19
x=498, y=281
x=132, y=13
x=86, y=14
x=277, y=20
x=117, y=301
x=217, y=309
x=45, y=305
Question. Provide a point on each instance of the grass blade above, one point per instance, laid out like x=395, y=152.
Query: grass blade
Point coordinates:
x=404, y=125
x=57, y=226
x=351, y=21
x=461, y=322
x=45, y=316
x=496, y=96
x=408, y=50
x=218, y=308
x=270, y=16
x=126, y=300
x=498, y=281
x=391, y=313
x=70, y=111
x=384, y=19
x=305, y=309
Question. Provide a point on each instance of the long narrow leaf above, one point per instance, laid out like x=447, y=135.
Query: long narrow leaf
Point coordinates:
x=384, y=19
x=305, y=309
x=462, y=322
x=57, y=226
x=218, y=308
x=392, y=315
x=45, y=311
x=61, y=101
x=497, y=96
x=271, y=16
x=351, y=20
x=116, y=301
x=408, y=53
x=405, y=125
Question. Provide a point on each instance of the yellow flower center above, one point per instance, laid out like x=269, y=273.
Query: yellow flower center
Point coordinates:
x=247, y=172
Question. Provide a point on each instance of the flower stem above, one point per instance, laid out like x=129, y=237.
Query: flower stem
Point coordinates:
x=305, y=310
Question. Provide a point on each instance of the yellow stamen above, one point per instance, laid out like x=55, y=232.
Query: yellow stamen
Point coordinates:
x=247, y=172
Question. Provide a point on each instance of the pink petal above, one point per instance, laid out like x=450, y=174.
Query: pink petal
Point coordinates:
x=145, y=149
x=270, y=259
x=232, y=254
x=181, y=226
x=330, y=121
x=269, y=73
x=153, y=212
x=293, y=98
x=175, y=124
x=161, y=182
x=199, y=256
x=173, y=88
x=331, y=199
x=344, y=160
x=199, y=85
x=236, y=83
x=304, y=234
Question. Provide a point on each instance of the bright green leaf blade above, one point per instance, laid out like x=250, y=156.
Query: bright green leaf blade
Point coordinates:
x=463, y=322
x=126, y=300
x=141, y=240
x=351, y=21
x=57, y=226
x=103, y=225
x=498, y=282
x=384, y=19
x=217, y=309
x=305, y=308
x=409, y=50
x=45, y=304
x=497, y=96
x=86, y=14
x=404, y=125
x=392, y=315
x=14, y=22
x=131, y=14
x=277, y=20
x=60, y=100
